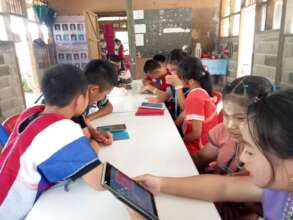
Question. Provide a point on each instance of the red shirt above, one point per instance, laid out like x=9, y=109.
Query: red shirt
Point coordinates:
x=161, y=83
x=199, y=106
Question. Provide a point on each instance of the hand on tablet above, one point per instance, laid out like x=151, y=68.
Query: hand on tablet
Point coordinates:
x=151, y=183
x=104, y=137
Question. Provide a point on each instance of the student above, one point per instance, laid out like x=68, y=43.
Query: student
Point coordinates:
x=178, y=92
x=225, y=140
x=101, y=77
x=267, y=136
x=47, y=147
x=155, y=81
x=199, y=115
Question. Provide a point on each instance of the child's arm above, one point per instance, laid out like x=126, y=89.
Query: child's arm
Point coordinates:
x=107, y=109
x=93, y=178
x=178, y=85
x=195, y=133
x=180, y=98
x=161, y=95
x=101, y=137
x=206, y=155
x=214, y=188
x=179, y=120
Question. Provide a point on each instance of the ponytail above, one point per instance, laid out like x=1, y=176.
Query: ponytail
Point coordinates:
x=206, y=82
x=192, y=68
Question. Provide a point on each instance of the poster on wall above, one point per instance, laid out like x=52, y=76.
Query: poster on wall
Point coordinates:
x=70, y=40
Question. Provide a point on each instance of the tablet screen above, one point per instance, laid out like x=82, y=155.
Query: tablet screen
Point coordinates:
x=129, y=189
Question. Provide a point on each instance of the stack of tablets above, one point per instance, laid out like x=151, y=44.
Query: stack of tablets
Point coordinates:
x=118, y=131
x=150, y=109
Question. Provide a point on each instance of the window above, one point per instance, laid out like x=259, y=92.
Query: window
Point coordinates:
x=3, y=33
x=289, y=18
x=269, y=14
x=230, y=17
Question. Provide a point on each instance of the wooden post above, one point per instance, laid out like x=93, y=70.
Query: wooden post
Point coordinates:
x=131, y=39
x=279, y=69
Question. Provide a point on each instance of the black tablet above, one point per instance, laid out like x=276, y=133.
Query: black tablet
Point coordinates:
x=112, y=128
x=152, y=105
x=129, y=192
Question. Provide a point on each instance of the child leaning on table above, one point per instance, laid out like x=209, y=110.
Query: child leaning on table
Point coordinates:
x=102, y=77
x=46, y=147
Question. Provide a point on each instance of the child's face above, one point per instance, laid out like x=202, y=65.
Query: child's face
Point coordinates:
x=159, y=72
x=234, y=116
x=96, y=94
x=256, y=163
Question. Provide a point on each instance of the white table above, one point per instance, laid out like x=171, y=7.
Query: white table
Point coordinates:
x=154, y=147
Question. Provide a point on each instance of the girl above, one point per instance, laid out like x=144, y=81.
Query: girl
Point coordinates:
x=225, y=140
x=267, y=135
x=199, y=114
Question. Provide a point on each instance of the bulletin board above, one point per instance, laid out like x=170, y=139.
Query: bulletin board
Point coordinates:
x=70, y=40
x=160, y=31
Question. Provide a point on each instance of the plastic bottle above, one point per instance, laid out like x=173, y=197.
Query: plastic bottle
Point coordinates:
x=198, y=50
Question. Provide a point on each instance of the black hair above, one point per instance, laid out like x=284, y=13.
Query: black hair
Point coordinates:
x=160, y=58
x=101, y=73
x=175, y=56
x=270, y=123
x=62, y=83
x=114, y=58
x=192, y=68
x=150, y=66
x=248, y=88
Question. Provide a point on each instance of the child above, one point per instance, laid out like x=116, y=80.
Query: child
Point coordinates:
x=225, y=140
x=222, y=153
x=267, y=136
x=46, y=147
x=155, y=81
x=199, y=115
x=177, y=93
x=101, y=77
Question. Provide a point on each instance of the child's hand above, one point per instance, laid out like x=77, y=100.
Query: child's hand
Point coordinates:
x=149, y=88
x=104, y=137
x=134, y=215
x=151, y=183
x=174, y=80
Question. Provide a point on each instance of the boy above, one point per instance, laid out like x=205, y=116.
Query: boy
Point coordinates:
x=155, y=81
x=46, y=147
x=102, y=77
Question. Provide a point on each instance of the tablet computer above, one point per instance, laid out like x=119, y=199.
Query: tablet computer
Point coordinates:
x=152, y=105
x=112, y=128
x=129, y=192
